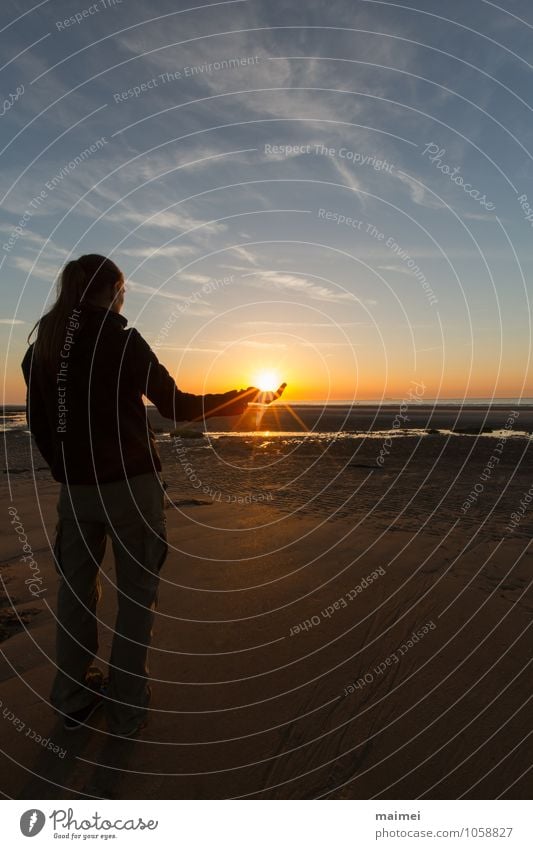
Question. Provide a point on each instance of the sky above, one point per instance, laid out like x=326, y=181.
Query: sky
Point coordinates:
x=340, y=193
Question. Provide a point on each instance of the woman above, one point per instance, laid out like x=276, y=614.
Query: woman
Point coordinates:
x=86, y=376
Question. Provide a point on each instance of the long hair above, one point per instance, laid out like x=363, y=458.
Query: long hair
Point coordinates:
x=80, y=280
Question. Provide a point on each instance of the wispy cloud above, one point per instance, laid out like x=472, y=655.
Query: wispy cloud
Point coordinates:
x=321, y=344
x=199, y=279
x=245, y=254
x=273, y=323
x=166, y=220
x=298, y=285
x=418, y=193
x=173, y=251
x=347, y=177
x=192, y=308
x=40, y=269
x=253, y=343
x=187, y=348
x=395, y=268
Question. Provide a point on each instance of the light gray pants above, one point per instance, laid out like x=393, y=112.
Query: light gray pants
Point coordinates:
x=131, y=512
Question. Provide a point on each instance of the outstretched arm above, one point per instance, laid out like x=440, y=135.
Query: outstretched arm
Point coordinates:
x=159, y=387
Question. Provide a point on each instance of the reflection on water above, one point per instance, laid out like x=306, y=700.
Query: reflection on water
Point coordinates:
x=14, y=420
x=266, y=438
x=11, y=420
x=318, y=435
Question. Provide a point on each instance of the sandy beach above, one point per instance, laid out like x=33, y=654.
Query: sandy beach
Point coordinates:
x=285, y=249
x=329, y=626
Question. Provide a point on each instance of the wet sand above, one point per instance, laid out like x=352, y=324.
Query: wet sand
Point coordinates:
x=363, y=417
x=328, y=627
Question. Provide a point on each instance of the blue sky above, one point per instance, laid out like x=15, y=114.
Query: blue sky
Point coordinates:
x=310, y=156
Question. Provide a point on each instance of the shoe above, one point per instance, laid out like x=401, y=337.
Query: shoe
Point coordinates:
x=135, y=730
x=74, y=721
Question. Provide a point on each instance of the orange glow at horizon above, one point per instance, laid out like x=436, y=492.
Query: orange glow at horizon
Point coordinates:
x=318, y=375
x=267, y=380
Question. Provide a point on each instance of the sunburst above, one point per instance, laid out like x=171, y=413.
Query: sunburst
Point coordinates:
x=267, y=380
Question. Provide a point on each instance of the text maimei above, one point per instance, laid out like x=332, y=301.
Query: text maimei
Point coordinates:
x=435, y=156
x=65, y=819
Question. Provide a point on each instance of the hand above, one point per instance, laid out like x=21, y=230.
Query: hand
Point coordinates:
x=252, y=395
x=268, y=397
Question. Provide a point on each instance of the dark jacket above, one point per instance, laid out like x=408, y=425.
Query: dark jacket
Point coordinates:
x=89, y=420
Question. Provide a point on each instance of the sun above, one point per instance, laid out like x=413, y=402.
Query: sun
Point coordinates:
x=267, y=380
